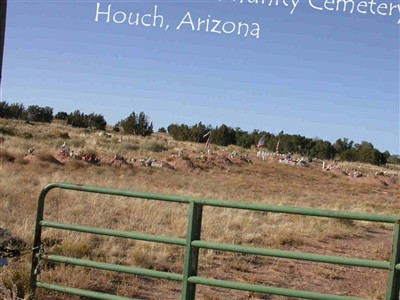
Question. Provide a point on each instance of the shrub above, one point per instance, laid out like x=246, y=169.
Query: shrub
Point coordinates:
x=14, y=280
x=77, y=143
x=77, y=249
x=137, y=124
x=26, y=135
x=7, y=130
x=129, y=147
x=155, y=147
x=64, y=135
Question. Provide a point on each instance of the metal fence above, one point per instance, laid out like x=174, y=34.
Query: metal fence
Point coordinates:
x=193, y=243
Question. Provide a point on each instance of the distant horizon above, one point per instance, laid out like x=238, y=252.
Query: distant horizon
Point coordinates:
x=313, y=73
x=156, y=128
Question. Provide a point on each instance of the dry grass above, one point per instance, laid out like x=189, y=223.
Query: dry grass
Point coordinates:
x=6, y=156
x=261, y=182
x=14, y=280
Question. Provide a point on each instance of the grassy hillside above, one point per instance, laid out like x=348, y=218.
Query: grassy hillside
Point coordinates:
x=158, y=164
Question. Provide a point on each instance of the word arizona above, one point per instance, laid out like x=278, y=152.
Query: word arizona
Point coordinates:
x=217, y=26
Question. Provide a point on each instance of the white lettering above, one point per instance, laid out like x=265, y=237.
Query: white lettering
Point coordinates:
x=295, y=3
x=157, y=17
x=136, y=22
x=362, y=4
x=216, y=24
x=146, y=16
x=98, y=12
x=313, y=6
x=329, y=2
x=384, y=6
x=123, y=17
x=189, y=21
x=345, y=3
x=226, y=31
x=243, y=25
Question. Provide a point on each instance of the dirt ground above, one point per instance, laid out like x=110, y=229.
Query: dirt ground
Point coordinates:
x=190, y=170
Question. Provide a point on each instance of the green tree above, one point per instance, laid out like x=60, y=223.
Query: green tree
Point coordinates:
x=365, y=152
x=342, y=144
x=36, y=113
x=243, y=138
x=224, y=136
x=322, y=150
x=394, y=159
x=244, y=141
x=78, y=119
x=16, y=111
x=96, y=121
x=348, y=155
x=3, y=109
x=137, y=124
x=61, y=115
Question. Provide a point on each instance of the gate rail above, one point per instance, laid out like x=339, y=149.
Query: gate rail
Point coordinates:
x=193, y=243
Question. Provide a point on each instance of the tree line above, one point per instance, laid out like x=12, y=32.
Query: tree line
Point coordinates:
x=82, y=120
x=31, y=113
x=139, y=124
x=343, y=149
x=35, y=113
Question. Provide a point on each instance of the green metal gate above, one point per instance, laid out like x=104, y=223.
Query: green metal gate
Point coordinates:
x=193, y=243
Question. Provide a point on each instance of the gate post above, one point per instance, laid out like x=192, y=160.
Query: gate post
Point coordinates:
x=37, y=242
x=191, y=253
x=392, y=292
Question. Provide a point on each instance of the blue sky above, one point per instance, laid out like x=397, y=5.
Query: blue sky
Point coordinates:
x=315, y=73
